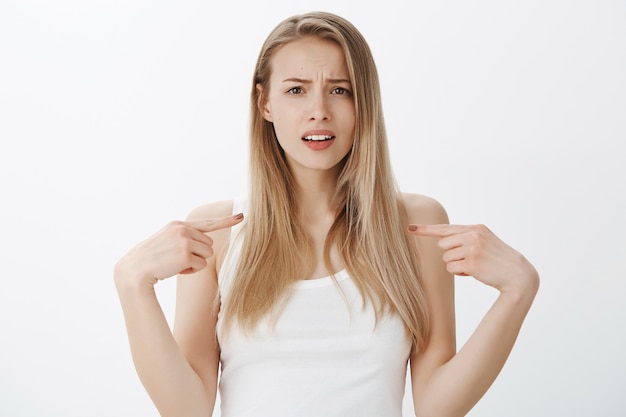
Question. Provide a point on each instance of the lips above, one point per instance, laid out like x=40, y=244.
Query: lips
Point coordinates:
x=318, y=140
x=318, y=135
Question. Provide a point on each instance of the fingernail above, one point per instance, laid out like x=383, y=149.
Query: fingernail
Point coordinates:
x=238, y=216
x=412, y=227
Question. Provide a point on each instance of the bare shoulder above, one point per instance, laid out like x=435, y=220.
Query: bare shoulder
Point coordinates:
x=422, y=209
x=212, y=210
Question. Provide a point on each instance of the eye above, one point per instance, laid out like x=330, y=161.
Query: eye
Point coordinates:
x=295, y=90
x=341, y=91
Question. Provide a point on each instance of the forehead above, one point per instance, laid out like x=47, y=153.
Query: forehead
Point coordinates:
x=309, y=55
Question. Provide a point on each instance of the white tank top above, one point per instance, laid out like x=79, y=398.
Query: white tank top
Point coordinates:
x=323, y=357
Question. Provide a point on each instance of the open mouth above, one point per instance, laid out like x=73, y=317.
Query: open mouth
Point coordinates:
x=317, y=138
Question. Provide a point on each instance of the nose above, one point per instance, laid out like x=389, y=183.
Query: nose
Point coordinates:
x=319, y=109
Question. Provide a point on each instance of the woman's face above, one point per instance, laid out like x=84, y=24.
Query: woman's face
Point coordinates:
x=310, y=104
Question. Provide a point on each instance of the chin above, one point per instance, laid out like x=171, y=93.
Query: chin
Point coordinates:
x=319, y=166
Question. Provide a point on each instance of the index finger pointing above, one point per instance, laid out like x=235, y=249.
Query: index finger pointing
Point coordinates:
x=435, y=230
x=211, y=225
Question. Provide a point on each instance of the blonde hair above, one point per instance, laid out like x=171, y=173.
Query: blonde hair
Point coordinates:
x=369, y=230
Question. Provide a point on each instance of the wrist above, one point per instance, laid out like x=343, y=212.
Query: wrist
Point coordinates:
x=525, y=290
x=130, y=280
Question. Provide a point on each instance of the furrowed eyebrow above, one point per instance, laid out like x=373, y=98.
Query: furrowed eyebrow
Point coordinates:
x=296, y=80
x=303, y=81
x=339, y=81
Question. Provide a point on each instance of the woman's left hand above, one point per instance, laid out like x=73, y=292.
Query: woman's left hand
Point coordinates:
x=478, y=252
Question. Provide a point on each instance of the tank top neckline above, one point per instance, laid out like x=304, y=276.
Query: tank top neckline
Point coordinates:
x=340, y=275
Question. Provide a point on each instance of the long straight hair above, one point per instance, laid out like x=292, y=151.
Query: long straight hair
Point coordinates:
x=369, y=230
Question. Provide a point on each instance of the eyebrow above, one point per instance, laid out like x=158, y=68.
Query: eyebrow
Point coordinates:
x=304, y=81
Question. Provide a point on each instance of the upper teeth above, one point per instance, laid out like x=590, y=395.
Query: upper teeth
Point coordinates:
x=317, y=137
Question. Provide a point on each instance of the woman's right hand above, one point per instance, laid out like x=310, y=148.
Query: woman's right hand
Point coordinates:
x=181, y=247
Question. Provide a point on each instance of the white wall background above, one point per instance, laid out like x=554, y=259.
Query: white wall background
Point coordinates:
x=117, y=116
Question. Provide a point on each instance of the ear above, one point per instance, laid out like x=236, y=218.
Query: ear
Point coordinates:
x=262, y=104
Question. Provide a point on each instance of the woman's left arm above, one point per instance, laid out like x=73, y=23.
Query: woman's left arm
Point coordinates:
x=452, y=387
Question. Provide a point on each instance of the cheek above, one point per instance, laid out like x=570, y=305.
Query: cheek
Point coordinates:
x=283, y=128
x=349, y=111
x=352, y=118
x=284, y=117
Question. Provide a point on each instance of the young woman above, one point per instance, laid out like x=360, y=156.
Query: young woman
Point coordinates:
x=312, y=295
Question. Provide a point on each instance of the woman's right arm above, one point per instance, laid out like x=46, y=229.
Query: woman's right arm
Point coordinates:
x=175, y=387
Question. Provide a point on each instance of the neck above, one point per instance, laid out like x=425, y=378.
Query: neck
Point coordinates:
x=316, y=190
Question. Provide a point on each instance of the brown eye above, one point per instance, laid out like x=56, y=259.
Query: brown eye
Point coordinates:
x=341, y=91
x=295, y=90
